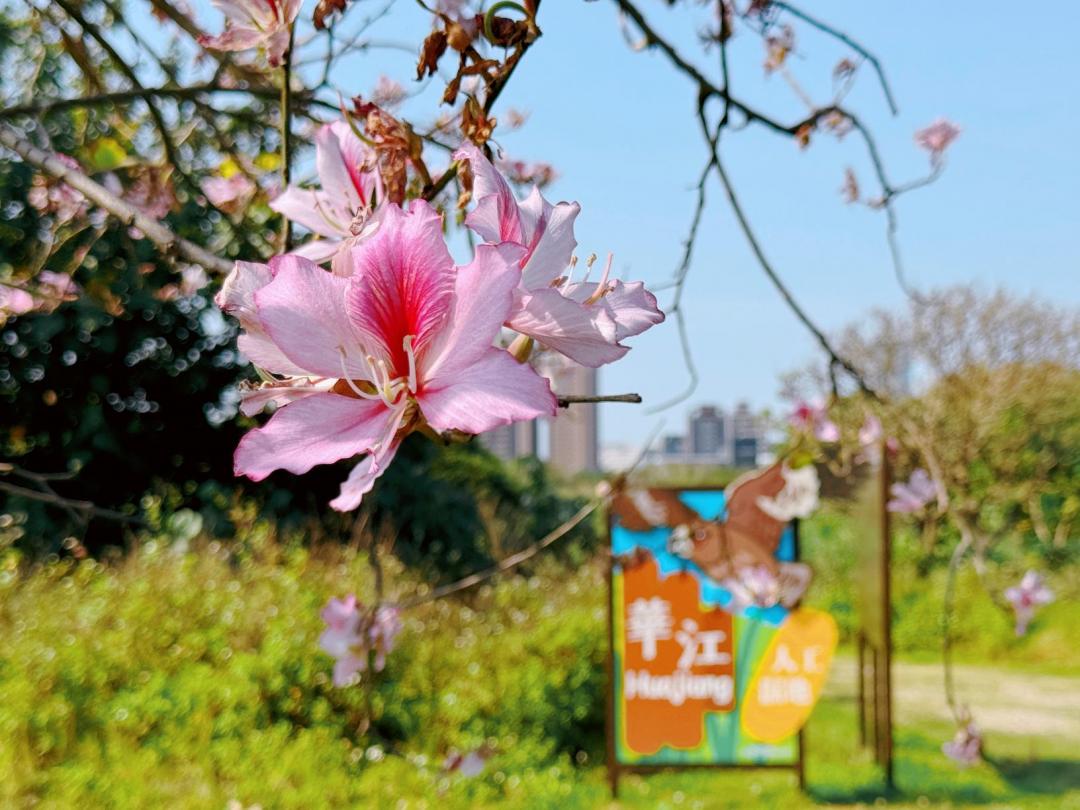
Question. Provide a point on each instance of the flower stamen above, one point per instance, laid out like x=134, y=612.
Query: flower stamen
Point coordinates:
x=408, y=345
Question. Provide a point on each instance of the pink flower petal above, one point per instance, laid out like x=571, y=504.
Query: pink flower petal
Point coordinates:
x=303, y=311
x=402, y=284
x=584, y=333
x=483, y=294
x=319, y=429
x=358, y=160
x=548, y=234
x=237, y=298
x=631, y=306
x=281, y=393
x=14, y=301
x=494, y=390
x=319, y=250
x=233, y=39
x=495, y=217
x=346, y=667
x=314, y=210
x=362, y=478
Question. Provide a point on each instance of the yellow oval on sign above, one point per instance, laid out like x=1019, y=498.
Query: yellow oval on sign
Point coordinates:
x=792, y=673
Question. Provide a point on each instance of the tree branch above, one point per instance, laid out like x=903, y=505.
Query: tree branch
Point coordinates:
x=584, y=399
x=158, y=233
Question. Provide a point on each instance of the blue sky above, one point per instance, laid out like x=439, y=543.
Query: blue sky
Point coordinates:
x=619, y=126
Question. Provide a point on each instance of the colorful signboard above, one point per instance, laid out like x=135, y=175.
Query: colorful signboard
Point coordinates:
x=712, y=662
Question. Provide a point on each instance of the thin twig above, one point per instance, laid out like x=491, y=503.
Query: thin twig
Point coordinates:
x=285, y=114
x=574, y=399
x=193, y=92
x=781, y=288
x=506, y=564
x=851, y=43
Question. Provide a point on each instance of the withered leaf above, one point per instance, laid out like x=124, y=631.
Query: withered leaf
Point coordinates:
x=430, y=53
x=324, y=8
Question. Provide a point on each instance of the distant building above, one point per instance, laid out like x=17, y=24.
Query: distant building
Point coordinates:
x=746, y=436
x=674, y=445
x=575, y=430
x=713, y=436
x=515, y=440
x=706, y=431
x=573, y=435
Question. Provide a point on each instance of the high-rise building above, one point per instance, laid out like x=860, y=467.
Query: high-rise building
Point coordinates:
x=575, y=430
x=674, y=445
x=573, y=435
x=511, y=441
x=746, y=436
x=706, y=431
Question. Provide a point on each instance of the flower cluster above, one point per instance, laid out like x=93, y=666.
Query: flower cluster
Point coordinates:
x=47, y=292
x=1030, y=594
x=813, y=417
x=265, y=24
x=913, y=496
x=351, y=637
x=396, y=338
x=937, y=137
x=965, y=749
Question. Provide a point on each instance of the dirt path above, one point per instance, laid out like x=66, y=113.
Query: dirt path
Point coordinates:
x=1004, y=701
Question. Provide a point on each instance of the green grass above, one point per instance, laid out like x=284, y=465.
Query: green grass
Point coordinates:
x=191, y=679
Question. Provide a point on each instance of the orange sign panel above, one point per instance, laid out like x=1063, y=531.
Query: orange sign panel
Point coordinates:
x=679, y=660
x=791, y=676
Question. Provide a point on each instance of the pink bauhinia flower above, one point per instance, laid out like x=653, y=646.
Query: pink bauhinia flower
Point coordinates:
x=348, y=641
x=407, y=341
x=813, y=417
x=1030, y=594
x=230, y=194
x=965, y=749
x=583, y=320
x=46, y=292
x=251, y=24
x=55, y=197
x=346, y=209
x=937, y=137
x=913, y=496
x=870, y=432
x=15, y=301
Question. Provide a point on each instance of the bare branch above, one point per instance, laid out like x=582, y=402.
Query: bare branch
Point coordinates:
x=851, y=43
x=583, y=399
x=158, y=233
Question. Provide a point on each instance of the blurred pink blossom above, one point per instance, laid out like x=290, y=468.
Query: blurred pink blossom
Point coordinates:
x=813, y=417
x=15, y=301
x=255, y=24
x=44, y=293
x=470, y=764
x=870, y=432
x=54, y=197
x=387, y=93
x=1030, y=594
x=965, y=749
x=345, y=639
x=936, y=137
x=914, y=495
x=230, y=194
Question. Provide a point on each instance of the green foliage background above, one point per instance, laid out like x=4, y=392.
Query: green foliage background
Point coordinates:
x=187, y=677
